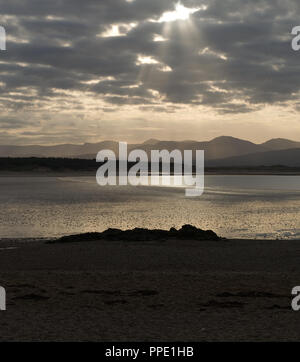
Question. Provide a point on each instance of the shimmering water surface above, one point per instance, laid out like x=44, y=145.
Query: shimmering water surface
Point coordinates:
x=233, y=206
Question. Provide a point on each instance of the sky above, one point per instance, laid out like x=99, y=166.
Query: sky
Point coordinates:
x=85, y=71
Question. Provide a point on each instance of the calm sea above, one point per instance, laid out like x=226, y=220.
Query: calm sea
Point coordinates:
x=233, y=206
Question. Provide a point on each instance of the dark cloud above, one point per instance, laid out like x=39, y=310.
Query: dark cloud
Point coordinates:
x=14, y=123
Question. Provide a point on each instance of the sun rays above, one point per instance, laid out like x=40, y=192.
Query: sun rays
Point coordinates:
x=177, y=24
x=180, y=13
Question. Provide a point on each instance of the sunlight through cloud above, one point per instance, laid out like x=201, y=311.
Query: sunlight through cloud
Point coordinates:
x=180, y=13
x=117, y=30
x=146, y=60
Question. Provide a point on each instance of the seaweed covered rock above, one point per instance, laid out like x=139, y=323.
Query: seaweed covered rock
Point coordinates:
x=187, y=232
x=193, y=233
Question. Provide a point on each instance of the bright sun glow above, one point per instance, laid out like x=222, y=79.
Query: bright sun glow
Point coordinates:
x=180, y=13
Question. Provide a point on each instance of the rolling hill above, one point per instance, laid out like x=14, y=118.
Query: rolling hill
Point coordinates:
x=227, y=150
x=280, y=144
x=217, y=148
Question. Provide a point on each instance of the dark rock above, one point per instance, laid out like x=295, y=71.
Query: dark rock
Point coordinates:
x=193, y=233
x=187, y=232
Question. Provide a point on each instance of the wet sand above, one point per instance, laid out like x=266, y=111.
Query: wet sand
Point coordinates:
x=228, y=290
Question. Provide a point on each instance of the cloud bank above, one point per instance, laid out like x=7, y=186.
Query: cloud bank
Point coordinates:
x=69, y=63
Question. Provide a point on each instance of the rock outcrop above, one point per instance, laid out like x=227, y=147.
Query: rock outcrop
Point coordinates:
x=187, y=232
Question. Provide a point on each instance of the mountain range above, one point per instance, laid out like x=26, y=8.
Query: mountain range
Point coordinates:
x=224, y=150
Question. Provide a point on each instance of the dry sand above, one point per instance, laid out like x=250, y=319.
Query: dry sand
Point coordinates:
x=234, y=290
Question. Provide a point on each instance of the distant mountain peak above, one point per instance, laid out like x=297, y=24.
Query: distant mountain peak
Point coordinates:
x=218, y=148
x=151, y=141
x=224, y=138
x=281, y=144
x=227, y=139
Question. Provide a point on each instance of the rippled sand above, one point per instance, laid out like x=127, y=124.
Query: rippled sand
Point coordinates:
x=150, y=291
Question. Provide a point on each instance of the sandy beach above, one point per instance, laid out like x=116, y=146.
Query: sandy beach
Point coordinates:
x=173, y=290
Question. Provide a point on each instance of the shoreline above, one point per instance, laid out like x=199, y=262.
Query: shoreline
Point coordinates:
x=52, y=240
x=93, y=173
